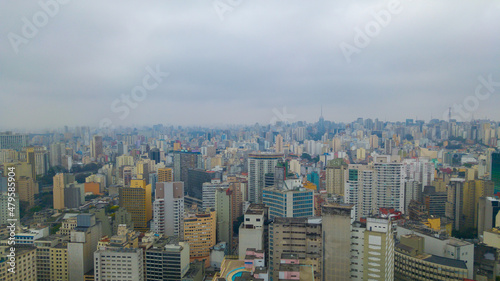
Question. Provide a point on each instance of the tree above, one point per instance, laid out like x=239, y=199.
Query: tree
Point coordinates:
x=306, y=156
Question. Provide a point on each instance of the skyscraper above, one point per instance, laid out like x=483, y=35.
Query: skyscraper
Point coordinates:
x=184, y=160
x=136, y=199
x=259, y=164
x=60, y=181
x=200, y=233
x=168, y=208
x=165, y=175
x=97, y=149
x=495, y=170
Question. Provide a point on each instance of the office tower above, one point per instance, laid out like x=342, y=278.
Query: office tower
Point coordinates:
x=495, y=170
x=389, y=182
x=183, y=161
x=360, y=189
x=278, y=147
x=413, y=191
x=237, y=192
x=142, y=170
x=59, y=262
x=41, y=160
x=200, y=233
x=122, y=217
x=412, y=263
x=373, y=141
x=25, y=264
x=83, y=244
x=26, y=190
x=224, y=216
x=473, y=190
x=168, y=208
x=122, y=148
x=8, y=140
x=298, y=202
x=335, y=172
x=297, y=236
x=488, y=209
x=136, y=199
x=196, y=178
x=435, y=202
x=252, y=232
x=60, y=182
x=454, y=204
x=30, y=157
x=165, y=175
x=118, y=264
x=154, y=155
x=336, y=237
x=167, y=260
x=259, y=165
x=96, y=147
x=209, y=189
x=74, y=195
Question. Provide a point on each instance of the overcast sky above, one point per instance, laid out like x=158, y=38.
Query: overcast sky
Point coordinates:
x=241, y=61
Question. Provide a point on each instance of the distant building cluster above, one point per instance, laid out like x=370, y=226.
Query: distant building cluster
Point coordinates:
x=366, y=200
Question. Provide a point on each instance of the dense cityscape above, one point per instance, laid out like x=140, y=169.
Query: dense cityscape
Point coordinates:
x=366, y=200
x=232, y=140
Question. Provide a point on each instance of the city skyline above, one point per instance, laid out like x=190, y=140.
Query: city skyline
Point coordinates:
x=244, y=64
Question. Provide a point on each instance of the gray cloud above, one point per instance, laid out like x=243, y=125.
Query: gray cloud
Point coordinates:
x=263, y=55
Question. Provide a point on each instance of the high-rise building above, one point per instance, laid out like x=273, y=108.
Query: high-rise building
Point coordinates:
x=360, y=188
x=168, y=208
x=154, y=155
x=495, y=170
x=389, y=182
x=473, y=190
x=413, y=191
x=435, y=202
x=43, y=262
x=200, y=233
x=118, y=264
x=96, y=148
x=294, y=203
x=488, y=209
x=57, y=150
x=258, y=166
x=167, y=260
x=26, y=190
x=455, y=202
x=59, y=262
x=209, y=189
x=136, y=199
x=184, y=160
x=196, y=179
x=252, y=232
x=165, y=175
x=278, y=147
x=60, y=182
x=30, y=157
x=335, y=172
x=336, y=237
x=83, y=244
x=298, y=236
x=8, y=140
x=224, y=216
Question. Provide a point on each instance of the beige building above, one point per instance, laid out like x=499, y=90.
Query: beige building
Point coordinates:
x=59, y=262
x=296, y=236
x=335, y=173
x=25, y=267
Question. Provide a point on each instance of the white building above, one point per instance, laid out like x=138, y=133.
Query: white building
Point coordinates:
x=259, y=164
x=168, y=208
x=118, y=264
x=208, y=191
x=251, y=233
